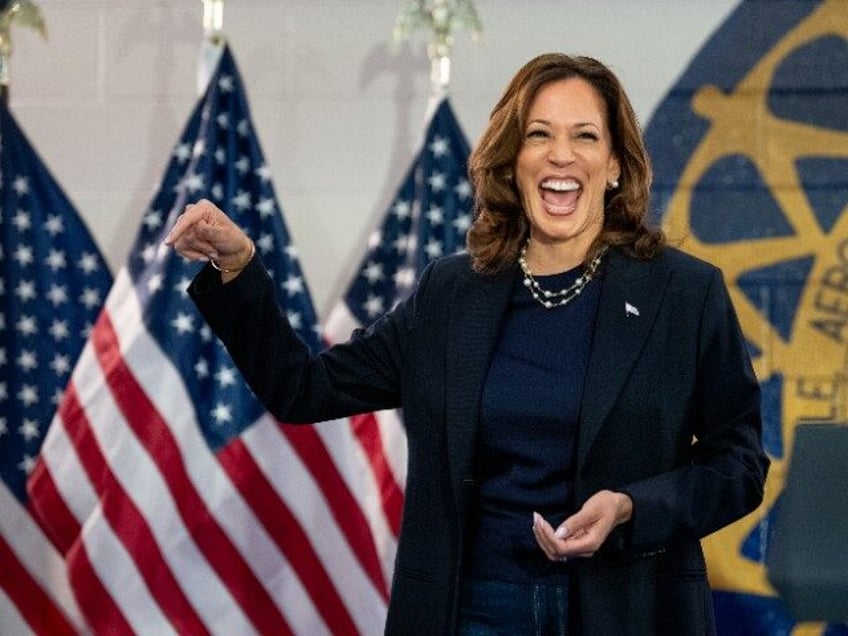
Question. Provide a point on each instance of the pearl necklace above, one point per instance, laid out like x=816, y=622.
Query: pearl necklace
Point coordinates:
x=549, y=299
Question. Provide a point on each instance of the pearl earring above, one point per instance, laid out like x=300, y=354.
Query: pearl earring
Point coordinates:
x=612, y=185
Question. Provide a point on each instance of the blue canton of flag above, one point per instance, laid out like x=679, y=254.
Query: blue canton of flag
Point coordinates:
x=53, y=282
x=428, y=218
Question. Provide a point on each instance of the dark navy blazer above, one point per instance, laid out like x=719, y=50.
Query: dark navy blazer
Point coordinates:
x=668, y=365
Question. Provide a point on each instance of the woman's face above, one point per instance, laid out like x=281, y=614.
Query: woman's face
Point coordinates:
x=564, y=165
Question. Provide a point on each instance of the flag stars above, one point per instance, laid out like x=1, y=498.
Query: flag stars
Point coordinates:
x=154, y=283
x=373, y=306
x=242, y=200
x=206, y=333
x=402, y=209
x=54, y=225
x=265, y=243
x=28, y=394
x=226, y=84
x=463, y=189
x=88, y=263
x=56, y=260
x=199, y=148
x=220, y=156
x=61, y=364
x=401, y=242
x=90, y=297
x=405, y=277
x=242, y=165
x=226, y=377
x=183, y=323
x=182, y=152
x=25, y=290
x=29, y=429
x=263, y=172
x=433, y=248
x=22, y=221
x=435, y=214
x=20, y=185
x=223, y=121
x=57, y=294
x=59, y=330
x=27, y=360
x=266, y=207
x=293, y=285
x=373, y=272
x=291, y=252
x=462, y=223
x=23, y=255
x=201, y=369
x=148, y=254
x=194, y=182
x=152, y=220
x=375, y=240
x=27, y=464
x=182, y=286
x=243, y=128
x=27, y=325
x=294, y=319
x=217, y=192
x=222, y=413
x=437, y=182
x=439, y=146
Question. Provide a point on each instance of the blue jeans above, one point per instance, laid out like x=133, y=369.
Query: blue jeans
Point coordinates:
x=494, y=608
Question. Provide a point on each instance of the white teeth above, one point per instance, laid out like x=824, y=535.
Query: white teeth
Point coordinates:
x=560, y=186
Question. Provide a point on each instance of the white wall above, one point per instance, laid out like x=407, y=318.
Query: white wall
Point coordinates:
x=337, y=111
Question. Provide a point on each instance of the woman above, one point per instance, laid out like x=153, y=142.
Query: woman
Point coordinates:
x=579, y=403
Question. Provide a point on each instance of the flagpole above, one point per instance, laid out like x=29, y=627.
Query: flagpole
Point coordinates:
x=442, y=18
x=213, y=42
x=26, y=13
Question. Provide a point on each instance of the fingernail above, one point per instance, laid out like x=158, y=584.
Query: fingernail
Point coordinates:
x=561, y=533
x=536, y=519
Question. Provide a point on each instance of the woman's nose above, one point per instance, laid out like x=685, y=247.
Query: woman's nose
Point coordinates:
x=561, y=152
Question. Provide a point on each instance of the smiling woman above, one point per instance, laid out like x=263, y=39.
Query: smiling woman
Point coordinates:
x=563, y=170
x=579, y=403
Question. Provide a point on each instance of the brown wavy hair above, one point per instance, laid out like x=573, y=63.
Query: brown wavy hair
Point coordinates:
x=500, y=226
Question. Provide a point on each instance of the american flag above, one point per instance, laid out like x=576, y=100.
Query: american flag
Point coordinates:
x=179, y=504
x=53, y=281
x=428, y=217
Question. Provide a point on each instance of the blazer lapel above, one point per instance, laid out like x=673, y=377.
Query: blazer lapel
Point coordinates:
x=479, y=303
x=631, y=296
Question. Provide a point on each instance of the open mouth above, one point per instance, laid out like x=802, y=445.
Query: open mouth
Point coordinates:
x=560, y=196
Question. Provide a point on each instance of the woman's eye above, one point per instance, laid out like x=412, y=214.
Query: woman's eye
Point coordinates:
x=537, y=133
x=588, y=135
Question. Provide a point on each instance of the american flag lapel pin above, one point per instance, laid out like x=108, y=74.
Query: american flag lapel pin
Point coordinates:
x=630, y=310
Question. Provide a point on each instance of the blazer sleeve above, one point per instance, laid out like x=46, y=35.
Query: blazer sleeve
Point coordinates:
x=725, y=475
x=293, y=383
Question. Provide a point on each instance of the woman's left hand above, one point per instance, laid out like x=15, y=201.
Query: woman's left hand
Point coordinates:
x=583, y=533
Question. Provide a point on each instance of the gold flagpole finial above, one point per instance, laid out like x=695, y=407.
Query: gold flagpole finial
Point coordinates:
x=26, y=13
x=442, y=18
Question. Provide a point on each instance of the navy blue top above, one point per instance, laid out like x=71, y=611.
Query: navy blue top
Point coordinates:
x=528, y=430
